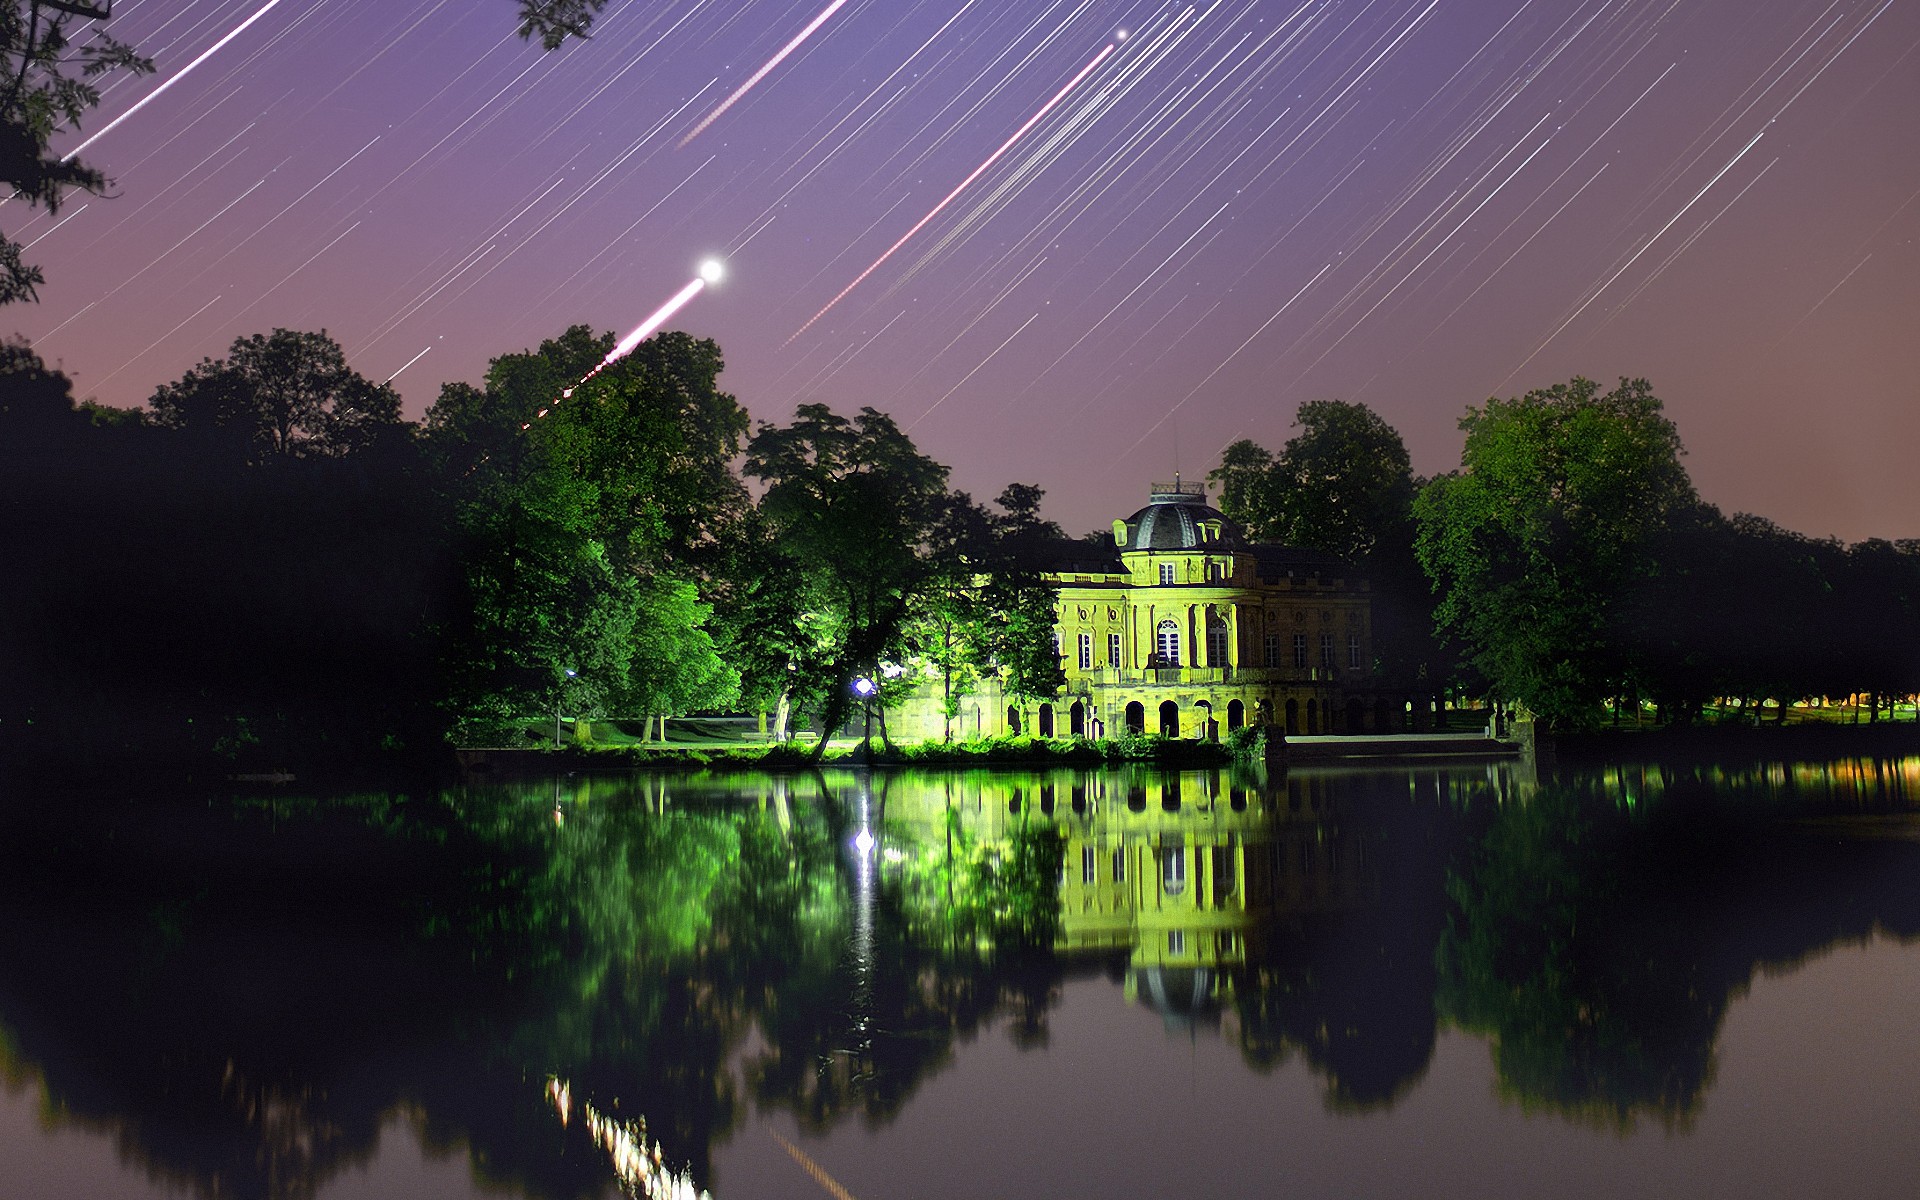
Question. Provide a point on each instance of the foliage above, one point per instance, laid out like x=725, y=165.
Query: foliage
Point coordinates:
x=583, y=514
x=1344, y=485
x=1535, y=544
x=284, y=394
x=49, y=88
x=554, y=21
x=854, y=504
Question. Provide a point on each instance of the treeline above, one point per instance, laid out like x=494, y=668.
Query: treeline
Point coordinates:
x=1569, y=566
x=268, y=565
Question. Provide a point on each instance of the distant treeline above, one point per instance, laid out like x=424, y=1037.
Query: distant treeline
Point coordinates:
x=1569, y=565
x=269, y=566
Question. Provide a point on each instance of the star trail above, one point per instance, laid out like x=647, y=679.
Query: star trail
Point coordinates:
x=1052, y=238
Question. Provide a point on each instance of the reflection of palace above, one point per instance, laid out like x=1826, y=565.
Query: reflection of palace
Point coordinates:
x=1178, y=869
x=1180, y=626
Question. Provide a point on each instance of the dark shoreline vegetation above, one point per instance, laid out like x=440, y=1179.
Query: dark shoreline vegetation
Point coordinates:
x=269, y=570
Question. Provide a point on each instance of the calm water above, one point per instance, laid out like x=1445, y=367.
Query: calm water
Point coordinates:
x=1461, y=982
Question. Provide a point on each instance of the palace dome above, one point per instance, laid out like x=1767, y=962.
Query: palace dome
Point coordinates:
x=1177, y=517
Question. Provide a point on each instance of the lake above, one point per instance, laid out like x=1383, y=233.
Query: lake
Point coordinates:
x=1457, y=980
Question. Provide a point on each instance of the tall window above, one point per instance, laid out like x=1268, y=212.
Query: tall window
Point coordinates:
x=1086, y=864
x=1273, y=649
x=1113, y=649
x=1173, y=868
x=1353, y=651
x=1086, y=652
x=1119, y=864
x=1299, y=649
x=1216, y=642
x=1326, y=650
x=1166, y=572
x=1215, y=572
x=1166, y=643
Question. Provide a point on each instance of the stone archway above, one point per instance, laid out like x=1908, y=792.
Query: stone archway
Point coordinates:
x=1136, y=717
x=1170, y=718
x=1045, y=722
x=1293, y=716
x=1236, y=714
x=1077, y=719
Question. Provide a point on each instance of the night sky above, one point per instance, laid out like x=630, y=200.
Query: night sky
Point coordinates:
x=1199, y=216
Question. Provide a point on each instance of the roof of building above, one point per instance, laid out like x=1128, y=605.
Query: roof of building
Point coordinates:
x=1173, y=521
x=1178, y=517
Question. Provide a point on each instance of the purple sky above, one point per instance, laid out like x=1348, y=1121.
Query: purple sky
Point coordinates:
x=1244, y=205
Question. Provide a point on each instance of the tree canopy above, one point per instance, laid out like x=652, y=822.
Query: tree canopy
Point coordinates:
x=284, y=394
x=1536, y=543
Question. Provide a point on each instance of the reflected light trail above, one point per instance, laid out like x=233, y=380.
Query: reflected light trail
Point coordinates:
x=762, y=73
x=978, y=171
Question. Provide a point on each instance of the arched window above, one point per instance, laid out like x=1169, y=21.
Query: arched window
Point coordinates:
x=1046, y=720
x=1077, y=719
x=1170, y=719
x=1013, y=720
x=1216, y=642
x=1236, y=714
x=1166, y=643
x=1136, y=717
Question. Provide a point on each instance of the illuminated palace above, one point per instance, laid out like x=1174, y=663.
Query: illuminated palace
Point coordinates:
x=1182, y=627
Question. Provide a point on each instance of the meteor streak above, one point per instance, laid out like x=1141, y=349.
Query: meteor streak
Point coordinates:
x=711, y=271
x=156, y=93
x=978, y=171
x=757, y=76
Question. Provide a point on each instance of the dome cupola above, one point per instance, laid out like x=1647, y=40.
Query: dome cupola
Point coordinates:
x=1177, y=517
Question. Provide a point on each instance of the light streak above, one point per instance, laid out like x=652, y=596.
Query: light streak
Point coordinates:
x=762, y=73
x=156, y=93
x=978, y=171
x=819, y=1173
x=711, y=271
x=403, y=366
x=976, y=370
x=1645, y=246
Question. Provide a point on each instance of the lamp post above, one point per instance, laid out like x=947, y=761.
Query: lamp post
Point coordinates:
x=558, y=693
x=864, y=688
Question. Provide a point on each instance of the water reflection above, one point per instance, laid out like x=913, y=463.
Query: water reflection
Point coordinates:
x=589, y=980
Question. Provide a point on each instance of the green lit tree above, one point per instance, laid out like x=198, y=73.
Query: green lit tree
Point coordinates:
x=855, y=504
x=583, y=515
x=1536, y=543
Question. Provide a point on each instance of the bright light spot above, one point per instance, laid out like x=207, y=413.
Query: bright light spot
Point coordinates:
x=1120, y=35
x=713, y=270
x=863, y=687
x=894, y=856
x=863, y=842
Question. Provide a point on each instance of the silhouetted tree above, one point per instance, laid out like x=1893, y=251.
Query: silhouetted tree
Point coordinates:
x=285, y=394
x=47, y=87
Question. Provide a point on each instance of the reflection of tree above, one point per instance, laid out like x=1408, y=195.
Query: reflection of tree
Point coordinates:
x=1599, y=944
x=244, y=995
x=1353, y=992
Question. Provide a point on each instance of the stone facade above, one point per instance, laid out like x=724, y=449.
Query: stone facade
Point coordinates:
x=1182, y=627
